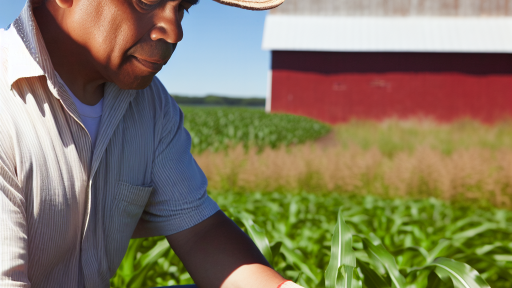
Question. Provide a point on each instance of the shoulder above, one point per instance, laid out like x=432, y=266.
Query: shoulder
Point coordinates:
x=3, y=54
x=3, y=35
x=4, y=75
x=9, y=42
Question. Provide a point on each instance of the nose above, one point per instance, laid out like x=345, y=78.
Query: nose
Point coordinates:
x=168, y=23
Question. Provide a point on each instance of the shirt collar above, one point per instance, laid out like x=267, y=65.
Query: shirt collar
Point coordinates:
x=28, y=56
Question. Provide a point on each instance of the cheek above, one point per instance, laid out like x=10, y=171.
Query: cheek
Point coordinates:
x=113, y=28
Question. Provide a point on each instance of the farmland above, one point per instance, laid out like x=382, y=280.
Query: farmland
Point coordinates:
x=477, y=175
x=463, y=161
x=301, y=225
x=217, y=129
x=389, y=179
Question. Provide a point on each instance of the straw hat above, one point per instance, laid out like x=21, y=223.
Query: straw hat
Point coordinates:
x=252, y=4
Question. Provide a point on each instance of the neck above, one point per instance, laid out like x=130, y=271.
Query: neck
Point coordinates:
x=71, y=60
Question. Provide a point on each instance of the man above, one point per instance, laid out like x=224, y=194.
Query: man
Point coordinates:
x=93, y=150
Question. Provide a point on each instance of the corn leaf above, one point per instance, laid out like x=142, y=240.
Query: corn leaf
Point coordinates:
x=435, y=282
x=155, y=253
x=462, y=275
x=371, y=278
x=297, y=261
x=276, y=249
x=441, y=246
x=342, y=256
x=256, y=233
x=380, y=256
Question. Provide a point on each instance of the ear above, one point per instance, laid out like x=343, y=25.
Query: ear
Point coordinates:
x=65, y=3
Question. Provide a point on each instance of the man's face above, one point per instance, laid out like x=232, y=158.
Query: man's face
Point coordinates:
x=128, y=41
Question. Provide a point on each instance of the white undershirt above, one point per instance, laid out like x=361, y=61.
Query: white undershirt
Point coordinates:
x=90, y=115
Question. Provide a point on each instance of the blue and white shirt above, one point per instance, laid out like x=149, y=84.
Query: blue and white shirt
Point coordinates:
x=67, y=212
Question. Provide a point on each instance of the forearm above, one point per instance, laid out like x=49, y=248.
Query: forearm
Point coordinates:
x=253, y=276
x=218, y=254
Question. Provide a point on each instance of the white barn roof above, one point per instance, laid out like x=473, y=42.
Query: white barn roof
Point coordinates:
x=388, y=34
x=458, y=8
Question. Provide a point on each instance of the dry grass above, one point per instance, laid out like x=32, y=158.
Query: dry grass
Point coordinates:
x=477, y=166
x=393, y=136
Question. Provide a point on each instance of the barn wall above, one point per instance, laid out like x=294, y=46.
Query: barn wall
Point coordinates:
x=397, y=7
x=336, y=87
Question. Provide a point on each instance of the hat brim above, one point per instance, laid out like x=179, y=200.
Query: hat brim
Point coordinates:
x=252, y=4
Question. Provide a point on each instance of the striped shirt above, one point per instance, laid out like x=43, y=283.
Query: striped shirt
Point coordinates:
x=67, y=213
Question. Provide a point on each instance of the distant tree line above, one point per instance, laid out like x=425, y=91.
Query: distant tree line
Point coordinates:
x=219, y=101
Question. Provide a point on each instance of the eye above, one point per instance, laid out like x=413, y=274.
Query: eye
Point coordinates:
x=147, y=4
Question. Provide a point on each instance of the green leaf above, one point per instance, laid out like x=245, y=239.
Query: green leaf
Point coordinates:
x=342, y=255
x=371, y=278
x=462, y=275
x=418, y=249
x=126, y=269
x=503, y=257
x=296, y=260
x=344, y=278
x=154, y=254
x=321, y=283
x=145, y=262
x=276, y=249
x=256, y=233
x=380, y=256
x=443, y=243
x=138, y=279
x=435, y=282
x=461, y=237
x=298, y=277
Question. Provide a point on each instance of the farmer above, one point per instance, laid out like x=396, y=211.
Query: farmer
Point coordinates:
x=93, y=151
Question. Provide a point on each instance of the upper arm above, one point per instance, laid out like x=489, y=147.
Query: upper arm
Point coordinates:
x=215, y=248
x=210, y=244
x=179, y=199
x=13, y=223
x=13, y=227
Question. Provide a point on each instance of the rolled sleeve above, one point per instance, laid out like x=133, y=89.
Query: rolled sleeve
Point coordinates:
x=179, y=199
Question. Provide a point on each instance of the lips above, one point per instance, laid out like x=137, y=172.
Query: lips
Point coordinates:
x=153, y=65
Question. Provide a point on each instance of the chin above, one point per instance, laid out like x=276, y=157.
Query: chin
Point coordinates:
x=135, y=83
x=132, y=76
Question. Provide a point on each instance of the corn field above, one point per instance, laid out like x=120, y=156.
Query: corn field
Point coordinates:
x=388, y=205
x=216, y=129
x=376, y=243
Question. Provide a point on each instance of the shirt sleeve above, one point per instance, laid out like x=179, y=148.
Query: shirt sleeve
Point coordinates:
x=13, y=230
x=179, y=199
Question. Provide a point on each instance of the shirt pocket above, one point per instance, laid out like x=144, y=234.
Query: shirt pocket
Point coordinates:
x=133, y=195
x=129, y=203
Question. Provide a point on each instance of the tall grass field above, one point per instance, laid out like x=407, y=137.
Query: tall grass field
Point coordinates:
x=399, y=203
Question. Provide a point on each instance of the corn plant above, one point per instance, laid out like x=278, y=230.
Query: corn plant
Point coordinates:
x=375, y=243
x=219, y=128
x=382, y=270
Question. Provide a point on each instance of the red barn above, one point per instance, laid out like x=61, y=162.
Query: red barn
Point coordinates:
x=334, y=60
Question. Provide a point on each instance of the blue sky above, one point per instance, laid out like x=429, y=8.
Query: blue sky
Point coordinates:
x=220, y=53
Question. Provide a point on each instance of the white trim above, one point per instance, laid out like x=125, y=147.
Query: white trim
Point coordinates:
x=268, y=101
x=388, y=34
